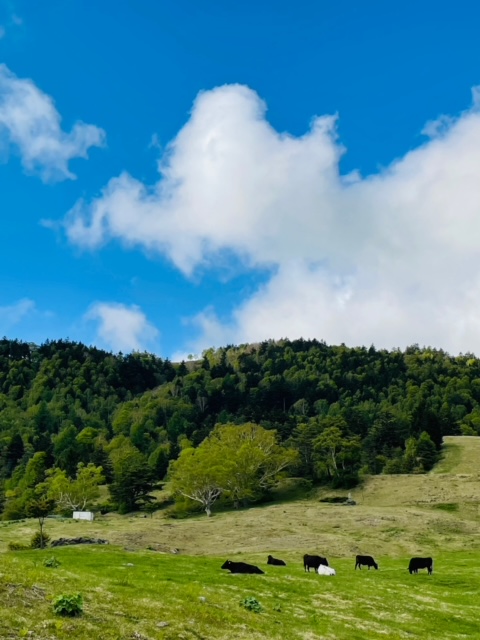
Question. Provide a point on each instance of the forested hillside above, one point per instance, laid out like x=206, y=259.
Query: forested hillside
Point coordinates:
x=344, y=410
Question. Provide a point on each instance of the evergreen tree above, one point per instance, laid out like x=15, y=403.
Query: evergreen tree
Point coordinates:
x=132, y=479
x=426, y=451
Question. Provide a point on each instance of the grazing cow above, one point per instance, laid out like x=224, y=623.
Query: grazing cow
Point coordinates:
x=313, y=562
x=279, y=563
x=326, y=571
x=367, y=561
x=240, y=567
x=421, y=563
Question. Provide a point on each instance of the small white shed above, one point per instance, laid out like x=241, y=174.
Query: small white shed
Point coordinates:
x=83, y=515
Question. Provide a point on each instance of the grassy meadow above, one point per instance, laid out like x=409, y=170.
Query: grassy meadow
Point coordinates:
x=134, y=593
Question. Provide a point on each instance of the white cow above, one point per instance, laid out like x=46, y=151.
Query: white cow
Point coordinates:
x=326, y=571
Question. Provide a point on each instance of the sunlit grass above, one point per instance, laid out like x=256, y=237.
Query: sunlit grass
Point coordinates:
x=148, y=595
x=460, y=455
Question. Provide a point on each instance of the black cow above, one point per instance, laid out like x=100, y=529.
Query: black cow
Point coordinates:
x=313, y=562
x=240, y=567
x=279, y=563
x=366, y=561
x=420, y=563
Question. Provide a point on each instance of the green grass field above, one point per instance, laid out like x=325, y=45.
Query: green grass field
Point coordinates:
x=127, y=595
x=131, y=593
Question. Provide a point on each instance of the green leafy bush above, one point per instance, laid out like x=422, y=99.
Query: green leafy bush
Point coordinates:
x=18, y=546
x=251, y=604
x=68, y=605
x=51, y=562
x=37, y=538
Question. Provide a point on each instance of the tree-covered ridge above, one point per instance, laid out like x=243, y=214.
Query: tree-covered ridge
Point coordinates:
x=343, y=409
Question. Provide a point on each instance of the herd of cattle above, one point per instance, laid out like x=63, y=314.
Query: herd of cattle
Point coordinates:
x=321, y=566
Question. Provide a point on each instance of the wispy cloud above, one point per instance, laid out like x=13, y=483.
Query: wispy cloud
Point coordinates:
x=389, y=259
x=12, y=314
x=30, y=124
x=13, y=21
x=122, y=328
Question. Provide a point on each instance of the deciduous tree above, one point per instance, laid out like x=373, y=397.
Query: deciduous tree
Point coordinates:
x=77, y=493
x=200, y=475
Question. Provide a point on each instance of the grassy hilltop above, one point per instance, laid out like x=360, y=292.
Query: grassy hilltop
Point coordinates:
x=130, y=591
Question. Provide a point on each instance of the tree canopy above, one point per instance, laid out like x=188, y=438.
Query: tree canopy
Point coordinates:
x=343, y=410
x=238, y=462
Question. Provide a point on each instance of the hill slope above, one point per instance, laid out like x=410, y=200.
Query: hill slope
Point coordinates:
x=461, y=456
x=395, y=515
x=63, y=403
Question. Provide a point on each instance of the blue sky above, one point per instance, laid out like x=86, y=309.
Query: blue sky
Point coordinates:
x=178, y=175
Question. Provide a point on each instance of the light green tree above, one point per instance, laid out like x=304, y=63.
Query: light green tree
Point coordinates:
x=200, y=475
x=255, y=458
x=75, y=493
x=409, y=461
x=236, y=461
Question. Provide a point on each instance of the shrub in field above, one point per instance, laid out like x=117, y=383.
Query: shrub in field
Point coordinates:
x=51, y=562
x=18, y=546
x=39, y=540
x=251, y=604
x=68, y=605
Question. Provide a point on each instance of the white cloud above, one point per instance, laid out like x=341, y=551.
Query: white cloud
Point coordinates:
x=30, y=123
x=389, y=259
x=122, y=328
x=11, y=315
x=155, y=142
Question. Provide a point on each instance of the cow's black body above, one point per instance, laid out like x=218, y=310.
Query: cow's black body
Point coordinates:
x=240, y=567
x=421, y=563
x=313, y=562
x=366, y=561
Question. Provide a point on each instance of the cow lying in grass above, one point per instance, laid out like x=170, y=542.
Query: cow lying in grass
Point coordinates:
x=276, y=561
x=240, y=567
x=326, y=571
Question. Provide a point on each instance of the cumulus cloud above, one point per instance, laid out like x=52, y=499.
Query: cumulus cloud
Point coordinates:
x=122, y=328
x=31, y=125
x=390, y=258
x=11, y=315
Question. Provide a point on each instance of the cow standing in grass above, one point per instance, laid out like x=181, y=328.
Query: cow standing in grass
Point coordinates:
x=366, y=561
x=313, y=562
x=421, y=563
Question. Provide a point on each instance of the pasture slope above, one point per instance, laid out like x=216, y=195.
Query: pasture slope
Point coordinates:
x=132, y=593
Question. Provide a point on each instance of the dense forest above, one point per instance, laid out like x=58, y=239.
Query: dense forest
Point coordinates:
x=344, y=411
